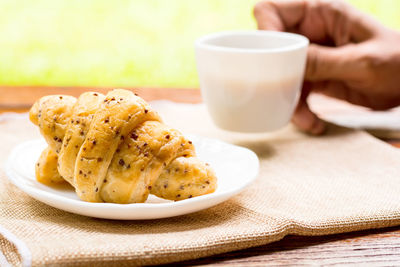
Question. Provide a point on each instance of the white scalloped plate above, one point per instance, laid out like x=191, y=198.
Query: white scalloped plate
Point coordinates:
x=236, y=167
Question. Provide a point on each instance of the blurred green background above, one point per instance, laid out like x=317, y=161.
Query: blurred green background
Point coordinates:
x=121, y=43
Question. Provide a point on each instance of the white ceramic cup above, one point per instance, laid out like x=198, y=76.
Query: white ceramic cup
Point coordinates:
x=251, y=80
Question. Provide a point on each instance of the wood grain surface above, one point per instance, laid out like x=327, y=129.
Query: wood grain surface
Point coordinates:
x=373, y=247
x=21, y=98
x=379, y=247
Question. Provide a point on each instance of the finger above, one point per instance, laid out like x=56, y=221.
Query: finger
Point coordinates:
x=279, y=15
x=304, y=118
x=362, y=25
x=324, y=22
x=339, y=21
x=342, y=91
x=334, y=63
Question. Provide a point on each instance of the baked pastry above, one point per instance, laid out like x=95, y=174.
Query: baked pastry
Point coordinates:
x=46, y=168
x=115, y=148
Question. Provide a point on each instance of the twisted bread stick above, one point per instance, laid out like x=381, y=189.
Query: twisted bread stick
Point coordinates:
x=76, y=130
x=116, y=149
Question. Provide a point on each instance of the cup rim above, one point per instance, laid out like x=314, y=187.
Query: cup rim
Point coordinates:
x=202, y=42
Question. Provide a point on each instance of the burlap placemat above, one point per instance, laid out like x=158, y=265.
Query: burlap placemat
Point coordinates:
x=345, y=181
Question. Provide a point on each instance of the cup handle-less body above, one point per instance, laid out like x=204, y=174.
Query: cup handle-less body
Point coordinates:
x=251, y=80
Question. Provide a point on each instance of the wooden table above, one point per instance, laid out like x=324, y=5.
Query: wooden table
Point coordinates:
x=371, y=247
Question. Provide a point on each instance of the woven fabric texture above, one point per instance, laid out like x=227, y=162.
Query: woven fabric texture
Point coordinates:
x=344, y=181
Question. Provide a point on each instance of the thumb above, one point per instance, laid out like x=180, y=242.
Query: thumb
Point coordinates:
x=304, y=118
x=332, y=63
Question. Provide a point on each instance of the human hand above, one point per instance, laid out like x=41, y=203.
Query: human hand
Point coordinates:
x=351, y=56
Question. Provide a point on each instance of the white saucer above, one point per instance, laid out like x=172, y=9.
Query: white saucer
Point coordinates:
x=235, y=167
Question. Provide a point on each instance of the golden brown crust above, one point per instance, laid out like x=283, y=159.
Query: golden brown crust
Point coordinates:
x=124, y=112
x=77, y=128
x=115, y=149
x=51, y=113
x=46, y=168
x=185, y=177
x=139, y=161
